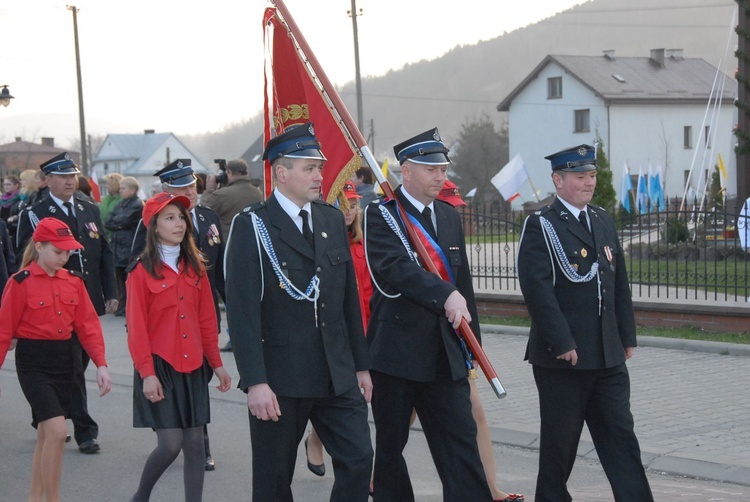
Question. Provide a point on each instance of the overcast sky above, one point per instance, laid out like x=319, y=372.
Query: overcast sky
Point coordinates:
x=190, y=67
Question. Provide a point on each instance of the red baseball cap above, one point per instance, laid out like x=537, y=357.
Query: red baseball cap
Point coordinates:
x=350, y=192
x=449, y=194
x=159, y=202
x=57, y=233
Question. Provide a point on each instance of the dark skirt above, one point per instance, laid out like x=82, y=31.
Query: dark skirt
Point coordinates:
x=185, y=402
x=45, y=372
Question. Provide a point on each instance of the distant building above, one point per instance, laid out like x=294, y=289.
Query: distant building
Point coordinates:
x=254, y=158
x=21, y=155
x=141, y=155
x=647, y=110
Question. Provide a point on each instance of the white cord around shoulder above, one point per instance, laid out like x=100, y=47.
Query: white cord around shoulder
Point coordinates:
x=261, y=236
x=389, y=220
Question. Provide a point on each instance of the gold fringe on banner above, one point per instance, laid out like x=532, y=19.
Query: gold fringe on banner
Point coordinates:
x=337, y=188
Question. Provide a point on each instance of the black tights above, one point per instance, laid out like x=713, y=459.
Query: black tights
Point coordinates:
x=169, y=444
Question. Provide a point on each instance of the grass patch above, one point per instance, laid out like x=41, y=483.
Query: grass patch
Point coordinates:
x=685, y=333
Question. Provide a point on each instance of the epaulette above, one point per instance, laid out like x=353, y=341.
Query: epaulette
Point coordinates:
x=83, y=201
x=77, y=274
x=543, y=210
x=21, y=276
x=253, y=207
x=206, y=208
x=131, y=266
x=320, y=201
x=600, y=208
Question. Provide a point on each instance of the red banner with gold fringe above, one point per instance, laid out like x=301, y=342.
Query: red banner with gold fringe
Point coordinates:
x=292, y=97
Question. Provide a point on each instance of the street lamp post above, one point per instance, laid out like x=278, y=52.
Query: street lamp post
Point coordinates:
x=84, y=150
x=5, y=96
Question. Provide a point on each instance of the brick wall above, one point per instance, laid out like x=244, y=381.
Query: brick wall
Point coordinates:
x=706, y=317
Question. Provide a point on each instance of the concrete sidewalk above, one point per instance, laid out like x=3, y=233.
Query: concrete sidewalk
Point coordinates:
x=690, y=406
x=689, y=400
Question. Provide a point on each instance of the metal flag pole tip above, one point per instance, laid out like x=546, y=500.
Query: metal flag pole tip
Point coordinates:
x=498, y=388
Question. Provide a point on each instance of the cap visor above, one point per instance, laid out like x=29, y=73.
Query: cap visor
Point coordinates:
x=578, y=169
x=182, y=181
x=311, y=153
x=431, y=159
x=67, y=245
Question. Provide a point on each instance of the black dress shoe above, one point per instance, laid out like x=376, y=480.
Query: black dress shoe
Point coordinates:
x=227, y=347
x=89, y=446
x=319, y=469
x=210, y=464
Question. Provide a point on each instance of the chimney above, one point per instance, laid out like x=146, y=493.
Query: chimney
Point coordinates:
x=18, y=139
x=675, y=54
x=48, y=142
x=149, y=131
x=657, y=56
x=609, y=54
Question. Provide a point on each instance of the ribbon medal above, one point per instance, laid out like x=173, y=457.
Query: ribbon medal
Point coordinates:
x=93, y=231
x=213, y=235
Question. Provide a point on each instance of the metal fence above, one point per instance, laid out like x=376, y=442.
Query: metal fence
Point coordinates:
x=677, y=253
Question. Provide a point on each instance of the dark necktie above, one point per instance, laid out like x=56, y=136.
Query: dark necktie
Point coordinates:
x=71, y=218
x=306, y=232
x=427, y=213
x=584, y=221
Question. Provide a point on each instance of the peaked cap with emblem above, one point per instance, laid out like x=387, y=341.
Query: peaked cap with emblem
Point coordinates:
x=177, y=174
x=576, y=159
x=297, y=142
x=60, y=164
x=425, y=148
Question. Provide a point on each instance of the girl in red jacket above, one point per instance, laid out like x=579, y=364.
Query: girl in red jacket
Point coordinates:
x=42, y=306
x=172, y=329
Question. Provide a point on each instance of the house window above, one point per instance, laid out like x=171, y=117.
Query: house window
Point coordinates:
x=582, y=120
x=708, y=136
x=554, y=88
x=687, y=135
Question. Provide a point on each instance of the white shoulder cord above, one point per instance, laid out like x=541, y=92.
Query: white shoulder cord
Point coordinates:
x=549, y=251
x=312, y=292
x=394, y=226
x=556, y=249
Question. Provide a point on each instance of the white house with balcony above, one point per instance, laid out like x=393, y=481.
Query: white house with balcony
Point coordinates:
x=141, y=155
x=663, y=110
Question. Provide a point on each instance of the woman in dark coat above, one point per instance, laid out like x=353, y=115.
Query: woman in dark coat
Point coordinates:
x=122, y=222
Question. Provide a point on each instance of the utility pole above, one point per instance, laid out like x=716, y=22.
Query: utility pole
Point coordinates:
x=81, y=120
x=358, y=79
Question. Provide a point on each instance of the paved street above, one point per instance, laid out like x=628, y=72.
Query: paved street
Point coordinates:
x=690, y=408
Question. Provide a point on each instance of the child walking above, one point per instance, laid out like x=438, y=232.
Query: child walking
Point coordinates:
x=42, y=305
x=172, y=329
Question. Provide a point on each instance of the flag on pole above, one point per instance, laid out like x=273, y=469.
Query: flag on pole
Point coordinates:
x=293, y=97
x=641, y=194
x=510, y=178
x=625, y=188
x=723, y=178
x=384, y=170
x=656, y=187
x=96, y=193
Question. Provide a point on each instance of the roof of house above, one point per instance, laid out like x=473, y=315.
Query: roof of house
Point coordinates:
x=134, y=147
x=659, y=78
x=253, y=156
x=19, y=146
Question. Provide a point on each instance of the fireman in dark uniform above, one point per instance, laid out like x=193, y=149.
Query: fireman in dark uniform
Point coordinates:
x=572, y=274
